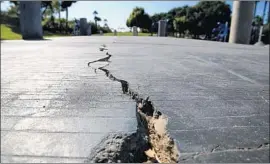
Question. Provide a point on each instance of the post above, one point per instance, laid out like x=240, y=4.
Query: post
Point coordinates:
x=225, y=31
x=261, y=28
x=162, y=28
x=30, y=20
x=260, y=34
x=89, y=29
x=83, y=26
x=134, y=31
x=242, y=16
x=115, y=33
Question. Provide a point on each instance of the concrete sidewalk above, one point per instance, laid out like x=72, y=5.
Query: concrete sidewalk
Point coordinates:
x=54, y=108
x=215, y=94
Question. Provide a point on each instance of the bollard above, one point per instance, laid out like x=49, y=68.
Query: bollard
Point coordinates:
x=83, y=26
x=30, y=20
x=134, y=31
x=89, y=30
x=162, y=28
x=241, y=22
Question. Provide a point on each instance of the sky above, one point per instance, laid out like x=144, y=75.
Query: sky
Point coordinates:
x=117, y=12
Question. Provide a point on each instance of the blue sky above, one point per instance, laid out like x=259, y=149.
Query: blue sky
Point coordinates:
x=117, y=12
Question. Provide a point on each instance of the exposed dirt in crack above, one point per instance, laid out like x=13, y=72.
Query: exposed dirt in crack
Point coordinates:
x=150, y=143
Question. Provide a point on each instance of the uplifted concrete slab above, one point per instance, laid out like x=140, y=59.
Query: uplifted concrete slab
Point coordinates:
x=216, y=95
x=55, y=108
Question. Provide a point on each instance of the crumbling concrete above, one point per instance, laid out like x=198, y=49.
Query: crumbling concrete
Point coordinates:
x=150, y=143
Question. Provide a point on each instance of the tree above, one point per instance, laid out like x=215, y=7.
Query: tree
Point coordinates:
x=44, y=6
x=155, y=18
x=139, y=18
x=105, y=23
x=57, y=7
x=95, y=13
x=209, y=13
x=97, y=19
x=65, y=5
x=48, y=13
x=14, y=9
x=180, y=24
x=257, y=21
x=158, y=16
x=16, y=3
x=193, y=22
x=173, y=12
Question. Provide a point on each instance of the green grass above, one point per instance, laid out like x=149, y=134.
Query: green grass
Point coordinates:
x=8, y=34
x=126, y=34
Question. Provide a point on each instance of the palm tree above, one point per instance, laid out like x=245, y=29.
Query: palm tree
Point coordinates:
x=57, y=6
x=65, y=5
x=97, y=19
x=95, y=13
x=105, y=22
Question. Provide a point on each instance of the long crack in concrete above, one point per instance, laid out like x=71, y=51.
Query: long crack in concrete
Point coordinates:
x=151, y=141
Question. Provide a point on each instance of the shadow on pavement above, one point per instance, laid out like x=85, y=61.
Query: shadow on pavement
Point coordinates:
x=37, y=39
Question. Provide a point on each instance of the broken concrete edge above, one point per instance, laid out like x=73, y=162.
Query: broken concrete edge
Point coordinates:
x=120, y=148
x=150, y=143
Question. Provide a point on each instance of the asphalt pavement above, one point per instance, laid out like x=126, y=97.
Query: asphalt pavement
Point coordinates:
x=54, y=108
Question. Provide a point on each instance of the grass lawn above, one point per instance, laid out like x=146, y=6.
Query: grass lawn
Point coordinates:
x=126, y=34
x=8, y=34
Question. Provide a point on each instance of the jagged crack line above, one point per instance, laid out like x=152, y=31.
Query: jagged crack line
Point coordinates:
x=147, y=118
x=106, y=59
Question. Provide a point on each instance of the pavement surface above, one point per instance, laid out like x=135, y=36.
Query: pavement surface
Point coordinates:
x=54, y=108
